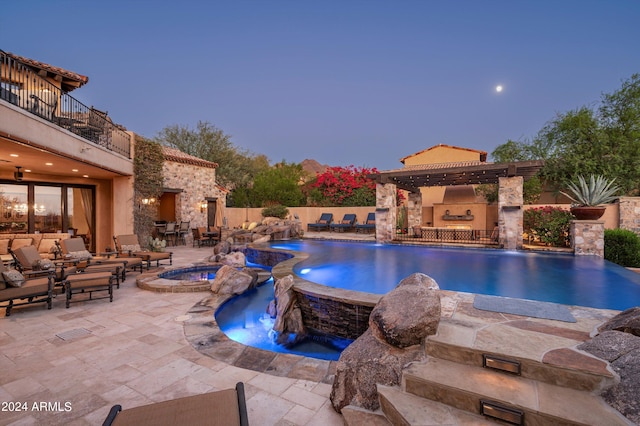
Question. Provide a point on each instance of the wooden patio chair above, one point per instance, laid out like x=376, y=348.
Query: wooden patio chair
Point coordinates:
x=222, y=408
x=128, y=246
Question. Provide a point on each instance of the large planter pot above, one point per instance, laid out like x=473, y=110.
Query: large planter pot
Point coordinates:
x=588, y=213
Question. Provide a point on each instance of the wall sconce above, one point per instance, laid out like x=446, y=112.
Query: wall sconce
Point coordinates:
x=203, y=206
x=148, y=201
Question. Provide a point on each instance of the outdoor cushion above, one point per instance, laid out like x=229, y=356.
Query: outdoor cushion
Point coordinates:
x=13, y=278
x=4, y=246
x=16, y=243
x=47, y=246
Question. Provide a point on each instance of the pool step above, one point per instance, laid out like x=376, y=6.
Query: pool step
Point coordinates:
x=508, y=397
x=403, y=408
x=536, y=350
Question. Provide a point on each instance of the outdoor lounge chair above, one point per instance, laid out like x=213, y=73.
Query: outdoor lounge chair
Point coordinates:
x=128, y=246
x=36, y=290
x=368, y=225
x=29, y=263
x=222, y=408
x=322, y=224
x=74, y=248
x=346, y=224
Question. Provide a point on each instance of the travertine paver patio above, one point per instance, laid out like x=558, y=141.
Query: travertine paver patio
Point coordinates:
x=134, y=351
x=131, y=352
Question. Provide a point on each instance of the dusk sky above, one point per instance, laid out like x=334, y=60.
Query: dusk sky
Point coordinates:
x=342, y=82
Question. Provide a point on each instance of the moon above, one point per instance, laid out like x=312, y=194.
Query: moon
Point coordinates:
x=499, y=88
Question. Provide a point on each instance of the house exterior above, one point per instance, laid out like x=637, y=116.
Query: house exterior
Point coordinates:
x=440, y=201
x=67, y=168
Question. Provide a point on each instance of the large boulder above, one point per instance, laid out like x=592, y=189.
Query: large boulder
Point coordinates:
x=627, y=322
x=223, y=247
x=409, y=313
x=230, y=280
x=288, y=323
x=365, y=363
x=236, y=259
x=398, y=325
x=622, y=350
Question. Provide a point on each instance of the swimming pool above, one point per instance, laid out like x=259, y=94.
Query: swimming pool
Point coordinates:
x=561, y=278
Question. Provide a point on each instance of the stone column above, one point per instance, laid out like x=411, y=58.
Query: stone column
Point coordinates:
x=386, y=212
x=587, y=237
x=630, y=214
x=510, y=213
x=414, y=210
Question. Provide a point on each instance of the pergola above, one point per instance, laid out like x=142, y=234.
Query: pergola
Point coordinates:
x=411, y=178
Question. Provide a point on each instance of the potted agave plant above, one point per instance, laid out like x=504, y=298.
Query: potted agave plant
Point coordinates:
x=590, y=196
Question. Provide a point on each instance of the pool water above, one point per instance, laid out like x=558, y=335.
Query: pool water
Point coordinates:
x=194, y=273
x=561, y=278
x=244, y=319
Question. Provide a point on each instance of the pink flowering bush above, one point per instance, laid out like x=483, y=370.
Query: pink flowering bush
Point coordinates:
x=550, y=225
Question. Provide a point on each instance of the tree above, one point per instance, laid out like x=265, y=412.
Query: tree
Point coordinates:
x=279, y=184
x=603, y=141
x=236, y=167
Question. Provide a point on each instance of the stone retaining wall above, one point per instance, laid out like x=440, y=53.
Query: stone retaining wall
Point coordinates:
x=325, y=310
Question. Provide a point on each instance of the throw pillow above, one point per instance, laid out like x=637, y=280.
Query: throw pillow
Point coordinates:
x=131, y=247
x=42, y=265
x=13, y=278
x=80, y=254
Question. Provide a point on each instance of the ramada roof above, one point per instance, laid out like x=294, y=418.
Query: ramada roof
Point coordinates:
x=69, y=79
x=177, y=156
x=411, y=178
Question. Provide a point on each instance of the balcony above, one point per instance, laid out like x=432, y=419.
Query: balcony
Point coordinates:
x=24, y=87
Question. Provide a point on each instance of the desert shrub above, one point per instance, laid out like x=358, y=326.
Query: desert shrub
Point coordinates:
x=276, y=210
x=622, y=246
x=549, y=224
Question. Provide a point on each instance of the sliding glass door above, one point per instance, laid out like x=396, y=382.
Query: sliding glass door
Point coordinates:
x=51, y=208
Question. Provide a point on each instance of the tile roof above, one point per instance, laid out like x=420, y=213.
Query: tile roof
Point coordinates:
x=74, y=80
x=438, y=166
x=177, y=156
x=483, y=154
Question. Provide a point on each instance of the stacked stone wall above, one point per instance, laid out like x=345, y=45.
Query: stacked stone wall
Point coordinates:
x=197, y=183
x=386, y=212
x=587, y=237
x=510, y=213
x=630, y=214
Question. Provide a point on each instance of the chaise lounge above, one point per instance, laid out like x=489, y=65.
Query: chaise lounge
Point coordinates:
x=128, y=246
x=322, y=224
x=369, y=225
x=222, y=408
x=347, y=223
x=28, y=291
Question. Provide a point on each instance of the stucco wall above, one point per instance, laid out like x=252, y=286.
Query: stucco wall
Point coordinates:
x=442, y=154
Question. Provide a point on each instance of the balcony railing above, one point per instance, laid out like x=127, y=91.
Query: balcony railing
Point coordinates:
x=23, y=87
